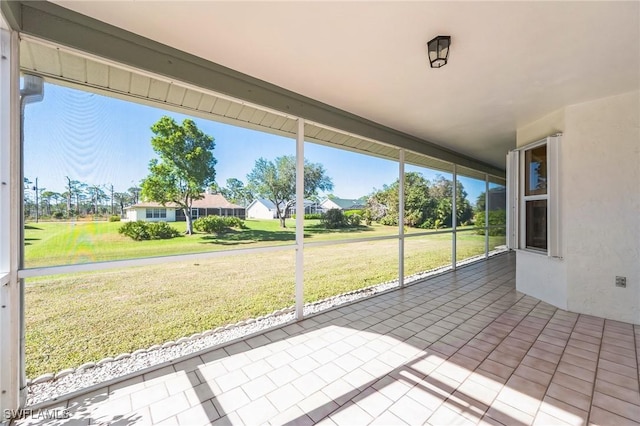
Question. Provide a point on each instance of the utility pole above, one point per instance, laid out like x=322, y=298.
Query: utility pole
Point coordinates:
x=112, y=212
x=36, y=190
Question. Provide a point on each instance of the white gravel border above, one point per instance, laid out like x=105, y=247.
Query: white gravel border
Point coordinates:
x=49, y=388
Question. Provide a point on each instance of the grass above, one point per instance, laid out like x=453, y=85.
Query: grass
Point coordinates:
x=61, y=243
x=81, y=317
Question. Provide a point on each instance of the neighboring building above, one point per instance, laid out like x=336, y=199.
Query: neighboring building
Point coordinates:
x=342, y=204
x=211, y=204
x=262, y=208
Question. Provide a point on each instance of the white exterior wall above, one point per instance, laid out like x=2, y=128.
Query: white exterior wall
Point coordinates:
x=141, y=214
x=132, y=215
x=542, y=277
x=600, y=199
x=328, y=205
x=260, y=211
x=601, y=176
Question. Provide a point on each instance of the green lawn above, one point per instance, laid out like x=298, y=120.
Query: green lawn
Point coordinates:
x=80, y=317
x=61, y=243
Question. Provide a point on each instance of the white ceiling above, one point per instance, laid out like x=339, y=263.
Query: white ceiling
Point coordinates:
x=510, y=62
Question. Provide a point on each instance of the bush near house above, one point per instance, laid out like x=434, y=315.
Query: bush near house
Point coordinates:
x=336, y=218
x=310, y=216
x=141, y=230
x=333, y=219
x=496, y=218
x=217, y=224
x=114, y=218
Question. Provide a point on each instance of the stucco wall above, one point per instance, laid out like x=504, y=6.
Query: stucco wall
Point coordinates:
x=542, y=277
x=601, y=181
x=259, y=211
x=141, y=214
x=600, y=202
x=540, y=129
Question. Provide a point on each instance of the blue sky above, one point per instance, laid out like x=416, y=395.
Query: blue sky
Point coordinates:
x=102, y=141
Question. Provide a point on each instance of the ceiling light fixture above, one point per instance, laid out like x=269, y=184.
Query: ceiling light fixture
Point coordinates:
x=438, y=50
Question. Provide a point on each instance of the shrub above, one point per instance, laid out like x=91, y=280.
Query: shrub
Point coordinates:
x=354, y=212
x=334, y=218
x=141, y=230
x=114, y=218
x=390, y=219
x=234, y=222
x=210, y=224
x=354, y=220
x=367, y=216
x=162, y=231
x=309, y=216
x=58, y=215
x=217, y=224
x=496, y=218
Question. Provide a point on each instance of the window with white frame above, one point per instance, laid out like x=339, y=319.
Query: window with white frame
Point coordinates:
x=535, y=198
x=534, y=211
x=156, y=213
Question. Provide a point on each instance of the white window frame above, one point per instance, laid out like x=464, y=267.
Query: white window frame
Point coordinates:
x=155, y=213
x=516, y=198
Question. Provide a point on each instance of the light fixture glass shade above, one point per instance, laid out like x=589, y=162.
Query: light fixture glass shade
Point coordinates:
x=438, y=50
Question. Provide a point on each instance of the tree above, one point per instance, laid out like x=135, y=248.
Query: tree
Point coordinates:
x=75, y=190
x=276, y=181
x=134, y=191
x=122, y=199
x=383, y=204
x=96, y=196
x=480, y=202
x=442, y=192
x=185, y=166
x=236, y=192
x=46, y=197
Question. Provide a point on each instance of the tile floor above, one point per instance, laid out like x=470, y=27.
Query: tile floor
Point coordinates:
x=461, y=348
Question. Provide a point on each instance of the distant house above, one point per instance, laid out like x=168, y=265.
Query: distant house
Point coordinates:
x=211, y=204
x=262, y=208
x=342, y=204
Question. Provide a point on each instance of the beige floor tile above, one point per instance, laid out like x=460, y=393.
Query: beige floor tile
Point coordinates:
x=409, y=412
x=284, y=397
x=228, y=402
x=350, y=415
x=148, y=396
x=601, y=417
x=168, y=407
x=618, y=392
x=292, y=416
x=257, y=412
x=615, y=405
x=202, y=414
x=563, y=411
x=317, y=406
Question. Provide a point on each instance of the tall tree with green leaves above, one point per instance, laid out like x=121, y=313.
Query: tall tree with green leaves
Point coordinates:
x=237, y=192
x=442, y=192
x=185, y=166
x=276, y=181
x=383, y=204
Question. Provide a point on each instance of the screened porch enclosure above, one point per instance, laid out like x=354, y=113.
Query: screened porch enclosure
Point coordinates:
x=298, y=262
